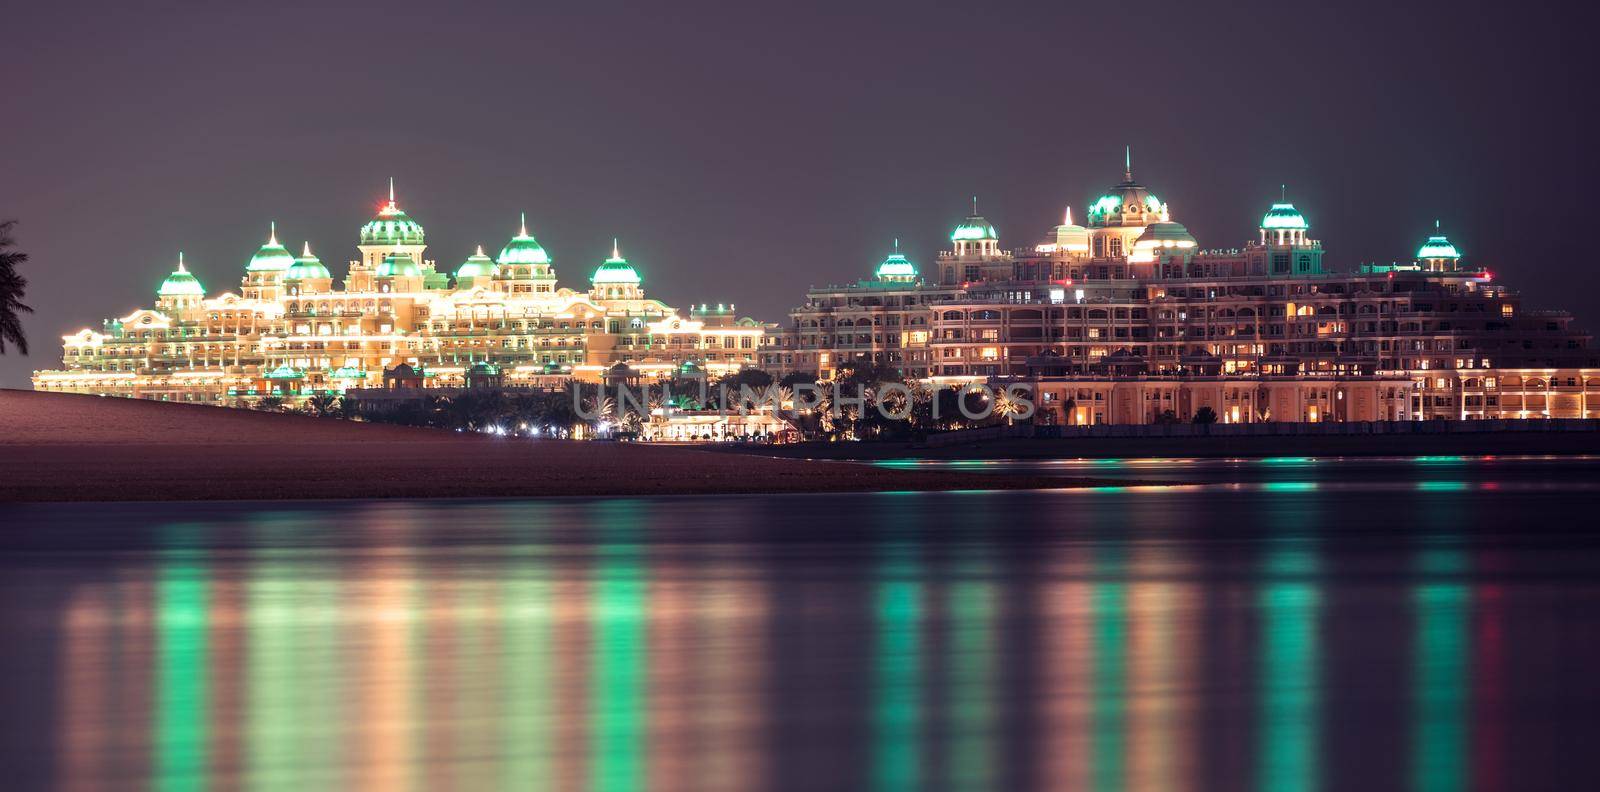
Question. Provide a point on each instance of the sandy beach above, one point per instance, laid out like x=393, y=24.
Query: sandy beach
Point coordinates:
x=59, y=447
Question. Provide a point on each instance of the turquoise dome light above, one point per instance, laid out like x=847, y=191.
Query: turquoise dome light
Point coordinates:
x=307, y=266
x=1284, y=216
x=392, y=226
x=477, y=265
x=1438, y=247
x=1126, y=197
x=181, y=283
x=523, y=248
x=398, y=265
x=272, y=257
x=974, y=228
x=616, y=270
x=896, y=266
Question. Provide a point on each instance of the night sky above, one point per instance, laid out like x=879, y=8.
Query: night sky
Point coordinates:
x=743, y=153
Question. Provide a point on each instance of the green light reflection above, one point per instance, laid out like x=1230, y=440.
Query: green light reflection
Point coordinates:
x=1289, y=486
x=1290, y=701
x=273, y=728
x=898, y=715
x=1440, y=681
x=1108, y=719
x=182, y=677
x=617, y=692
x=972, y=610
x=527, y=727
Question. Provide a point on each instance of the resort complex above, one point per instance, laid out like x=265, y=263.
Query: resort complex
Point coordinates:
x=1125, y=319
x=289, y=333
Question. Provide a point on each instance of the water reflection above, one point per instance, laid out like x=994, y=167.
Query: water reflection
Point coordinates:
x=1290, y=697
x=1149, y=641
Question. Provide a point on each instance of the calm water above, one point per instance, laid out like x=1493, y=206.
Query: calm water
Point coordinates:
x=1301, y=625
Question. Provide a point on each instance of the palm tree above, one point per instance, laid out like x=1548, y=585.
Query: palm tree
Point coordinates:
x=323, y=405
x=12, y=286
x=1006, y=407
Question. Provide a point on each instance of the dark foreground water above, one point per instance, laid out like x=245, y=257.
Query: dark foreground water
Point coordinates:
x=1400, y=624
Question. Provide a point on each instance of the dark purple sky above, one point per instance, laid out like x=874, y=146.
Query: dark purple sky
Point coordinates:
x=743, y=153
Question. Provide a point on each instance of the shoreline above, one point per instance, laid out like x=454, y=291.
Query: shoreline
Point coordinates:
x=65, y=448
x=1480, y=444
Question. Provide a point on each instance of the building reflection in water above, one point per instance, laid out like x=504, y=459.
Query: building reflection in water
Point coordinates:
x=898, y=737
x=1289, y=713
x=571, y=647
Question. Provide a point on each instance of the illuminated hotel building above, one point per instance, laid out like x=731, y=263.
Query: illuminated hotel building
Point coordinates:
x=1127, y=318
x=1120, y=320
x=288, y=332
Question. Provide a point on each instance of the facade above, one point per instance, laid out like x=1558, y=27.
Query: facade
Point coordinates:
x=1124, y=319
x=289, y=332
x=1127, y=318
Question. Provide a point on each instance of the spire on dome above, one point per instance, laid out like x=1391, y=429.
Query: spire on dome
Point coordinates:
x=305, y=249
x=616, y=250
x=1069, y=216
x=272, y=233
x=523, y=248
x=1127, y=163
x=181, y=283
x=480, y=251
x=391, y=189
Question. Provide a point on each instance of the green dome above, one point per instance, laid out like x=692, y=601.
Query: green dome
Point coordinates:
x=1438, y=247
x=897, y=266
x=307, y=266
x=392, y=226
x=272, y=257
x=398, y=265
x=616, y=270
x=1127, y=197
x=523, y=248
x=973, y=228
x=477, y=265
x=181, y=283
x=1283, y=216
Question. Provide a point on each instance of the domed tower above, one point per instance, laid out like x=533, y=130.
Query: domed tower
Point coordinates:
x=1438, y=254
x=974, y=253
x=477, y=271
x=307, y=275
x=180, y=290
x=1285, y=248
x=897, y=268
x=1117, y=218
x=398, y=272
x=390, y=232
x=263, y=276
x=525, y=267
x=616, y=279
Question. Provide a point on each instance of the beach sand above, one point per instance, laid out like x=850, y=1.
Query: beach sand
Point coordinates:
x=61, y=447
